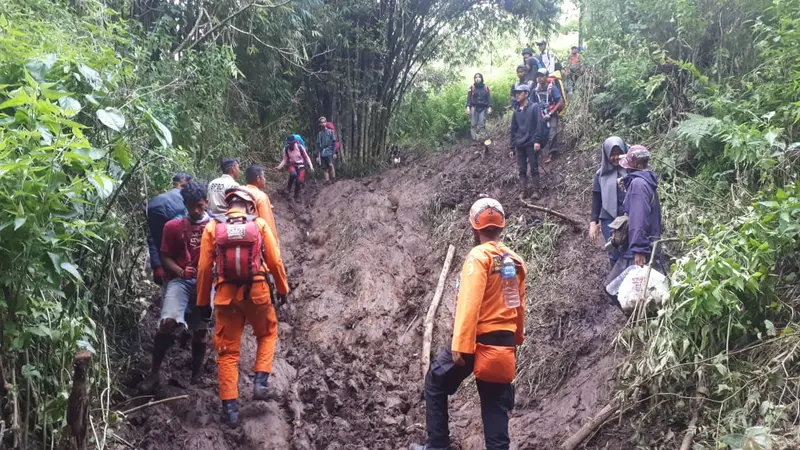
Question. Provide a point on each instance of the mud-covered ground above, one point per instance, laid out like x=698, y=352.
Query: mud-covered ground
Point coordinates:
x=363, y=261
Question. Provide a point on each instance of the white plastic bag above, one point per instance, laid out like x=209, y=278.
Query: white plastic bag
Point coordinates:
x=630, y=288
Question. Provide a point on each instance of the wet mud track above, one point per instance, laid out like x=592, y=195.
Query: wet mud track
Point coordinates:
x=362, y=264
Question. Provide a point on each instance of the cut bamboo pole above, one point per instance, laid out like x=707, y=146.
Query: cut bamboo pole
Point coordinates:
x=599, y=419
x=437, y=297
x=553, y=212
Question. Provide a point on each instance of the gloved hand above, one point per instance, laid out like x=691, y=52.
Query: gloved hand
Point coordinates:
x=189, y=273
x=280, y=299
x=158, y=276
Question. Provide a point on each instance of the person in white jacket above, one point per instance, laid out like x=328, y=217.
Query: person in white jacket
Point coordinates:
x=218, y=186
x=547, y=57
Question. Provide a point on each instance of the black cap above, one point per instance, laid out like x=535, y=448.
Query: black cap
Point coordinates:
x=527, y=50
x=542, y=42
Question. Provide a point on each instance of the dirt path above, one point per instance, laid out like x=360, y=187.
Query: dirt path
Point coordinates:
x=362, y=264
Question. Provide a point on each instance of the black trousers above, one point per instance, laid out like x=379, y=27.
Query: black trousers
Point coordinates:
x=443, y=379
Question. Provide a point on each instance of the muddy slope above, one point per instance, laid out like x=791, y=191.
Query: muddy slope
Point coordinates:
x=363, y=263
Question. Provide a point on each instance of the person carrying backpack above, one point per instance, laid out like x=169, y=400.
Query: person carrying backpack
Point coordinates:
x=479, y=103
x=532, y=64
x=551, y=101
x=296, y=158
x=332, y=127
x=180, y=252
x=326, y=145
x=237, y=254
x=489, y=324
x=522, y=73
x=160, y=210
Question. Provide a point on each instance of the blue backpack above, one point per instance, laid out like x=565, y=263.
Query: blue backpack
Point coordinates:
x=295, y=138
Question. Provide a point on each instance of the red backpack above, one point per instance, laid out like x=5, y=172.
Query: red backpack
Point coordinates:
x=239, y=250
x=332, y=127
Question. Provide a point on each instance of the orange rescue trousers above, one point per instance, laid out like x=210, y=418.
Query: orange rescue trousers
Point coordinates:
x=230, y=320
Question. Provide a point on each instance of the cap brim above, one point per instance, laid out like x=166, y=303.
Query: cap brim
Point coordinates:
x=625, y=163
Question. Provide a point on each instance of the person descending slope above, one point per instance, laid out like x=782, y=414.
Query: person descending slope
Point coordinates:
x=547, y=58
x=607, y=195
x=532, y=64
x=528, y=134
x=218, y=186
x=256, y=181
x=160, y=210
x=180, y=252
x=479, y=104
x=296, y=157
x=522, y=73
x=326, y=146
x=489, y=323
x=548, y=94
x=237, y=253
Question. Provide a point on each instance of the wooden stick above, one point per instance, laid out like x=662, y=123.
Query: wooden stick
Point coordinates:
x=78, y=403
x=575, y=440
x=437, y=297
x=157, y=402
x=691, y=430
x=550, y=211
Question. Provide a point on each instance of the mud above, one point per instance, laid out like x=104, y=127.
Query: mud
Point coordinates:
x=363, y=265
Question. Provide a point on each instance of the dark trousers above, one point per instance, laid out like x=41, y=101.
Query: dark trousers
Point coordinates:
x=442, y=381
x=527, y=156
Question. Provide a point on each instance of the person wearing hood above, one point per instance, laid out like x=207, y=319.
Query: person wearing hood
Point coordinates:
x=528, y=135
x=643, y=208
x=522, y=74
x=607, y=194
x=532, y=64
x=479, y=103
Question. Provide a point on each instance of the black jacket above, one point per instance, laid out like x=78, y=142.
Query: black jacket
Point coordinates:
x=479, y=96
x=528, y=127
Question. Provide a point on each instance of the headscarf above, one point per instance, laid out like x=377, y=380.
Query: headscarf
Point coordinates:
x=482, y=80
x=608, y=174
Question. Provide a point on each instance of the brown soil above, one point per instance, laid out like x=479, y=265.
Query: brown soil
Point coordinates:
x=363, y=265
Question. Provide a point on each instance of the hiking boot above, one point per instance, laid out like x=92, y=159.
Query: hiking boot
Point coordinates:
x=198, y=358
x=535, y=188
x=230, y=413
x=261, y=389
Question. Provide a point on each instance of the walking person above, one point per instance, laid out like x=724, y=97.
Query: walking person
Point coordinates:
x=160, y=210
x=479, y=104
x=522, y=73
x=551, y=101
x=532, y=64
x=546, y=57
x=217, y=187
x=326, y=145
x=528, y=135
x=489, y=324
x=256, y=183
x=295, y=158
x=237, y=254
x=607, y=194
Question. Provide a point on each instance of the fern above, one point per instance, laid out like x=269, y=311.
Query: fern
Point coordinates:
x=695, y=128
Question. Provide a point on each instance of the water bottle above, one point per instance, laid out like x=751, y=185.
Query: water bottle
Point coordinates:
x=510, y=282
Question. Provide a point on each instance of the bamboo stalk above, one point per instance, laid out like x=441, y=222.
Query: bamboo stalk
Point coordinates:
x=599, y=419
x=437, y=297
x=552, y=212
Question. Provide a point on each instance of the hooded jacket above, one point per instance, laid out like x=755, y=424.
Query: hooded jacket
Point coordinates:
x=607, y=196
x=644, y=211
x=478, y=95
x=527, y=126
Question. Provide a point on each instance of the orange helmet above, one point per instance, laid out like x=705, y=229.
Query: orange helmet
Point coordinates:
x=487, y=212
x=240, y=193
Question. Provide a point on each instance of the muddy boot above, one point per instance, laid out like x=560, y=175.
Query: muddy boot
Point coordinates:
x=261, y=389
x=198, y=358
x=230, y=413
x=161, y=343
x=535, y=188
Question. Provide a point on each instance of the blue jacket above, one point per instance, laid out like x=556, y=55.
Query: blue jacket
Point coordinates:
x=160, y=210
x=644, y=211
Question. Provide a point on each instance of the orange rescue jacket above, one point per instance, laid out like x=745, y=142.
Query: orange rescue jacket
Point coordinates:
x=264, y=208
x=480, y=307
x=226, y=293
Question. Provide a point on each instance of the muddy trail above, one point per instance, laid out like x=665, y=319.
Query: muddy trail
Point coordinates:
x=363, y=257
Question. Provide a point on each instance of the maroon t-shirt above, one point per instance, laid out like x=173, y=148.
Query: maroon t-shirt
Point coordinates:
x=181, y=241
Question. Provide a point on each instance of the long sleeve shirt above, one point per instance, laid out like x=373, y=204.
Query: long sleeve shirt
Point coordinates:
x=216, y=194
x=527, y=126
x=480, y=307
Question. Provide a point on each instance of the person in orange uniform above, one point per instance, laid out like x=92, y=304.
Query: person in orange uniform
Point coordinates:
x=485, y=334
x=236, y=247
x=256, y=181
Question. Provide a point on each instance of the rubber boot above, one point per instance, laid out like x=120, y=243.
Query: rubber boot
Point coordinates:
x=230, y=413
x=524, y=191
x=198, y=358
x=261, y=390
x=161, y=343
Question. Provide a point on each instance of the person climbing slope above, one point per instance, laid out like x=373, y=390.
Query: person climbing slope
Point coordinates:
x=479, y=104
x=548, y=94
x=643, y=209
x=522, y=73
x=218, y=186
x=160, y=210
x=296, y=158
x=486, y=330
x=237, y=253
x=256, y=182
x=326, y=145
x=528, y=134
x=180, y=252
x=607, y=194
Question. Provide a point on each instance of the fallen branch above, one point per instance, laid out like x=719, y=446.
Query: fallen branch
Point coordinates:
x=599, y=419
x=437, y=297
x=157, y=402
x=552, y=212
